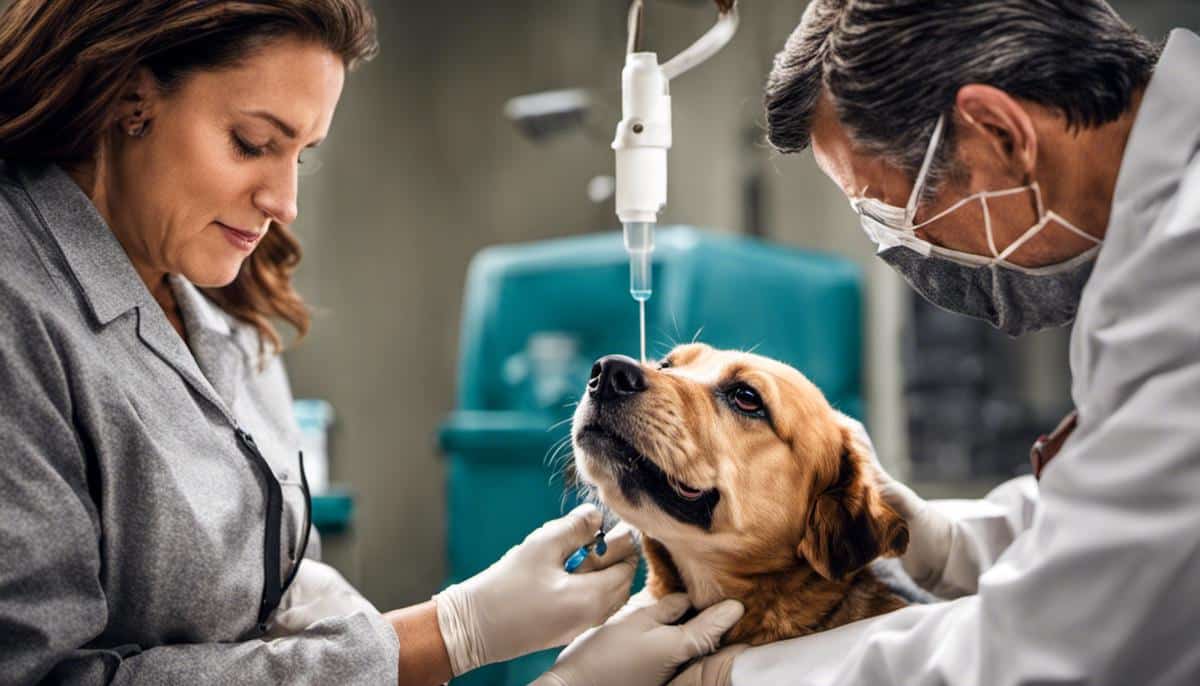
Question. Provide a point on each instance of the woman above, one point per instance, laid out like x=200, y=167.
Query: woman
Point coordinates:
x=152, y=503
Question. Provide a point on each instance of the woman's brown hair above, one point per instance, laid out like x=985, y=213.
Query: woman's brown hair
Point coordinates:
x=64, y=64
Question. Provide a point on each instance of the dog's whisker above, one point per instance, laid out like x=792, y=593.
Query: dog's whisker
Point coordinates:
x=673, y=340
x=697, y=336
x=556, y=450
x=560, y=456
x=559, y=423
x=666, y=346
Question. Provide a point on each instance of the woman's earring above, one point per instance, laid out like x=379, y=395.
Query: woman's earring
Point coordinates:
x=138, y=127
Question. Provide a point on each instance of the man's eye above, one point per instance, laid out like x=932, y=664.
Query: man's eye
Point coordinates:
x=747, y=400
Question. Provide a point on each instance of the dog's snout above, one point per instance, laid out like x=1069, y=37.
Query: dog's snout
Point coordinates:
x=616, y=376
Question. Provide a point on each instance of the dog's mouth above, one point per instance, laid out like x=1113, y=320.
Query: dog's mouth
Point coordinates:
x=638, y=475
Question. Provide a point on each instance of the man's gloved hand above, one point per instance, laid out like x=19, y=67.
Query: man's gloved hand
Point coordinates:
x=930, y=532
x=639, y=646
x=317, y=592
x=714, y=670
x=526, y=602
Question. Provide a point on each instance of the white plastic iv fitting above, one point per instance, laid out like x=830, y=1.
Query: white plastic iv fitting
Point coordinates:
x=644, y=132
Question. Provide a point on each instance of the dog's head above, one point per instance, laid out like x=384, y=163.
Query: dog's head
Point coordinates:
x=732, y=454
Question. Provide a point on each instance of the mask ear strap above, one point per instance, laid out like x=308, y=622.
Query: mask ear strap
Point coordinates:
x=1072, y=228
x=1048, y=216
x=910, y=211
x=1037, y=194
x=987, y=225
x=1023, y=239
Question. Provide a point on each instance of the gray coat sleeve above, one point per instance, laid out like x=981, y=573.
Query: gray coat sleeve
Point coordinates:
x=52, y=600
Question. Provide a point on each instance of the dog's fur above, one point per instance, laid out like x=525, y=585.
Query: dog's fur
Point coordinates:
x=777, y=509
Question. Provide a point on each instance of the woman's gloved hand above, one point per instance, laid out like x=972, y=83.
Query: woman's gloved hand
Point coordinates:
x=930, y=532
x=526, y=602
x=640, y=647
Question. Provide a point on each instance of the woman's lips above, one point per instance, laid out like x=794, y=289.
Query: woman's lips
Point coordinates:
x=242, y=240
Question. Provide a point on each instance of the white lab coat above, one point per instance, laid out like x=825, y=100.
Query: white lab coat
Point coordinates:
x=1096, y=579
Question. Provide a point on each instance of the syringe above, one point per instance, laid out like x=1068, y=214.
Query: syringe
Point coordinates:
x=639, y=243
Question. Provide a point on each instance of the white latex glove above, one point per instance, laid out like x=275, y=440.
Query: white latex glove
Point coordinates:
x=317, y=592
x=526, y=602
x=714, y=670
x=930, y=532
x=641, y=647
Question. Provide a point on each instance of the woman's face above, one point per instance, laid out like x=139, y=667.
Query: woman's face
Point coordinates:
x=219, y=161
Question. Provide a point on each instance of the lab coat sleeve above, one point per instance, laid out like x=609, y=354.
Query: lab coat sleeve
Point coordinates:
x=52, y=603
x=1102, y=588
x=980, y=531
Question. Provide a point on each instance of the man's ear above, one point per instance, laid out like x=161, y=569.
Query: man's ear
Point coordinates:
x=1003, y=125
x=848, y=524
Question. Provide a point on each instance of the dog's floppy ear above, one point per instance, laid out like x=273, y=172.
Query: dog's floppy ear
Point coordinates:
x=848, y=524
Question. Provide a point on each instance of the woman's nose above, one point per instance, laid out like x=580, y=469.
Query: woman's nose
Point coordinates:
x=277, y=197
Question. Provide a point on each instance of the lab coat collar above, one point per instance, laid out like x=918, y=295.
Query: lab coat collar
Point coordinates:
x=105, y=276
x=222, y=345
x=1164, y=138
x=102, y=270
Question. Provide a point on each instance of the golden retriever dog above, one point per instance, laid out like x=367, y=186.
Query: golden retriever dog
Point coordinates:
x=744, y=485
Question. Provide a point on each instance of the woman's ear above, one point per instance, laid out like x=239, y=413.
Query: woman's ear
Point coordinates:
x=848, y=524
x=136, y=108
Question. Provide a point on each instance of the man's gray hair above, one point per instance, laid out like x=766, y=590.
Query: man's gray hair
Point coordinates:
x=890, y=67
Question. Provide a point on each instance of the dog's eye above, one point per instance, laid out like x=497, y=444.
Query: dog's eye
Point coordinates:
x=746, y=399
x=664, y=363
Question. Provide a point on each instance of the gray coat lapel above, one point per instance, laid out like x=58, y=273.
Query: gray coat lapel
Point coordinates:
x=103, y=272
x=222, y=346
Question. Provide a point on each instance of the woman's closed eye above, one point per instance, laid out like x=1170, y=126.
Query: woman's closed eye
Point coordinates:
x=245, y=149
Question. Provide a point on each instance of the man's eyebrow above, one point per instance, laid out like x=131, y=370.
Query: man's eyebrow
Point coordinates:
x=280, y=124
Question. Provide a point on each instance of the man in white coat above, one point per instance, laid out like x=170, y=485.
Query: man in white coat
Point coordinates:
x=1032, y=164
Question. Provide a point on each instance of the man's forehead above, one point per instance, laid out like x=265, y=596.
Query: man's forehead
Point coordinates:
x=855, y=172
x=831, y=146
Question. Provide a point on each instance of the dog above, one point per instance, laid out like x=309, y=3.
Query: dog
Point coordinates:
x=744, y=485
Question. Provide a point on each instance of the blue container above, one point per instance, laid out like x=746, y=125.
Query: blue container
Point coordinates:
x=535, y=317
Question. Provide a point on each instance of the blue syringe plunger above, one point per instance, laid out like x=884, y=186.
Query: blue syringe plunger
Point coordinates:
x=598, y=544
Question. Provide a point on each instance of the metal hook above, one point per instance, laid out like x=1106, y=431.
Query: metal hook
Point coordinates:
x=705, y=47
x=635, y=26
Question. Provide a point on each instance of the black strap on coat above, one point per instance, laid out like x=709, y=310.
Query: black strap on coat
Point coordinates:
x=273, y=588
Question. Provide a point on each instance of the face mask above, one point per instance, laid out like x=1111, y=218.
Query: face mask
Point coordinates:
x=1013, y=298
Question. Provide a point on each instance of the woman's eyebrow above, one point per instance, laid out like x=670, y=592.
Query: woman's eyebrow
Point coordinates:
x=283, y=126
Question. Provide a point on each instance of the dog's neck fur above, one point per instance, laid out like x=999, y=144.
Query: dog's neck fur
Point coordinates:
x=791, y=602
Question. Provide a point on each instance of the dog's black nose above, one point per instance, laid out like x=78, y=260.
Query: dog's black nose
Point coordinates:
x=616, y=376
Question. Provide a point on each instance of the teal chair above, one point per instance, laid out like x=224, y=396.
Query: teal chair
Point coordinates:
x=535, y=317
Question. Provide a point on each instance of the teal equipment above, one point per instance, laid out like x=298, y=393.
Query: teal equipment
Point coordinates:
x=535, y=317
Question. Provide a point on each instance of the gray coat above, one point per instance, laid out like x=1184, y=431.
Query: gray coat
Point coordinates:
x=132, y=518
